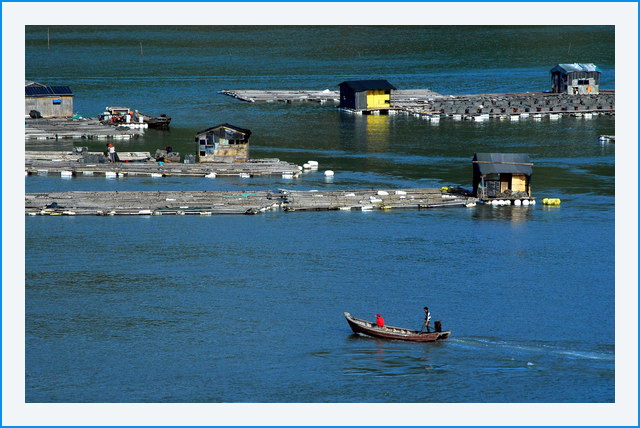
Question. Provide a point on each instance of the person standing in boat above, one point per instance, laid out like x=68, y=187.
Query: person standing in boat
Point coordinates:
x=379, y=321
x=427, y=319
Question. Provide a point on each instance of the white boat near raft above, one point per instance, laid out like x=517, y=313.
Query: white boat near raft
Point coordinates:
x=607, y=139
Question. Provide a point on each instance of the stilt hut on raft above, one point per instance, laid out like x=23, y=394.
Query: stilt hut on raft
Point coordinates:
x=366, y=95
x=48, y=101
x=223, y=143
x=502, y=176
x=575, y=79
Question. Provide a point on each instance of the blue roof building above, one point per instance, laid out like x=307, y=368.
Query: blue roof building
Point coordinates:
x=575, y=79
x=49, y=101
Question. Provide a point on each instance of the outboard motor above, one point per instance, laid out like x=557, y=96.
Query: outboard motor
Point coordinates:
x=438, y=326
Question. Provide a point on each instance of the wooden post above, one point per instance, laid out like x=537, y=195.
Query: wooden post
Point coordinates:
x=47, y=38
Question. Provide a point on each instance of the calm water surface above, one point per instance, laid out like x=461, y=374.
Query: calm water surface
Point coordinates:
x=249, y=308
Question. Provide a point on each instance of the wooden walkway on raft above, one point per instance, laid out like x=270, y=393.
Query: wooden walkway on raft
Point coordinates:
x=73, y=165
x=427, y=104
x=78, y=154
x=246, y=202
x=67, y=128
x=326, y=96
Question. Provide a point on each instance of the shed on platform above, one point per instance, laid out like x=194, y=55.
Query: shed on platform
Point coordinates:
x=501, y=176
x=366, y=95
x=223, y=143
x=575, y=79
x=49, y=101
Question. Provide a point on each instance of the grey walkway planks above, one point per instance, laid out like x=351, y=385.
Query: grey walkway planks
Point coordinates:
x=233, y=202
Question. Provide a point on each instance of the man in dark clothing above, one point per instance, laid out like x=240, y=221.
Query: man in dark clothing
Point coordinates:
x=379, y=321
x=427, y=319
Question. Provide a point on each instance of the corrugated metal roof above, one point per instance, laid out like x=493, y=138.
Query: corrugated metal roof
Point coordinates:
x=368, y=85
x=247, y=132
x=571, y=68
x=37, y=90
x=501, y=163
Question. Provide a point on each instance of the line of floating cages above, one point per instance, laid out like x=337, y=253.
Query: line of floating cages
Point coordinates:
x=481, y=117
x=122, y=174
x=147, y=212
x=50, y=136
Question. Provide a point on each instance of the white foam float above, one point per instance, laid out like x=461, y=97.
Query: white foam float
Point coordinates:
x=211, y=175
x=328, y=173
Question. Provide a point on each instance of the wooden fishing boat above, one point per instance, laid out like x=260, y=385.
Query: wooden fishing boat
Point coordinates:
x=390, y=332
x=160, y=122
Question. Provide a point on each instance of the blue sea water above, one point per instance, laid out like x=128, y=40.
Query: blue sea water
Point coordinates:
x=249, y=308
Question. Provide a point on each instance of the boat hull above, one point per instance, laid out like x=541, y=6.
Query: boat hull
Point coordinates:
x=158, y=122
x=395, y=333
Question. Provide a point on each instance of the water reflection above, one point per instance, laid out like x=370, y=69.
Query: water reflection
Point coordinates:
x=367, y=132
x=515, y=214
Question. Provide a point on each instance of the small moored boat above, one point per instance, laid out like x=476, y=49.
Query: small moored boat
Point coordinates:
x=160, y=122
x=389, y=332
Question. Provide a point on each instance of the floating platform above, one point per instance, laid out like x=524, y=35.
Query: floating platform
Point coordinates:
x=140, y=163
x=246, y=202
x=322, y=97
x=79, y=155
x=431, y=105
x=67, y=128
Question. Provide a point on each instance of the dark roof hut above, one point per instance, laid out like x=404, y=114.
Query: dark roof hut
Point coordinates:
x=504, y=176
x=49, y=101
x=223, y=143
x=366, y=95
